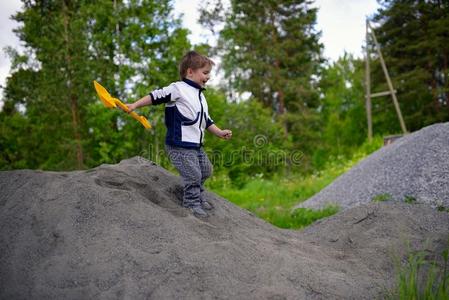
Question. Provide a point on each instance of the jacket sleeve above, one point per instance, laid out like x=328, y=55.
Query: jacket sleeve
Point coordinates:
x=209, y=121
x=164, y=95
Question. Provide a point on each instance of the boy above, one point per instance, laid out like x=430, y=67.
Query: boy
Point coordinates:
x=186, y=118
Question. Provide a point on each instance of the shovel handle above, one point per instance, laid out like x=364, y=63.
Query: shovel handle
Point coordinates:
x=125, y=108
x=134, y=115
x=121, y=105
x=141, y=119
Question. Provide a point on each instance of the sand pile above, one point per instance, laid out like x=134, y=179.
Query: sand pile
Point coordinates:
x=413, y=168
x=118, y=232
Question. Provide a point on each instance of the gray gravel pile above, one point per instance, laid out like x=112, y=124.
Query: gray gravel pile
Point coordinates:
x=413, y=168
x=118, y=232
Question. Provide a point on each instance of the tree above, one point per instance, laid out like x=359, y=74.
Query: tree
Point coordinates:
x=52, y=32
x=342, y=108
x=414, y=41
x=271, y=49
x=258, y=148
x=144, y=46
x=130, y=47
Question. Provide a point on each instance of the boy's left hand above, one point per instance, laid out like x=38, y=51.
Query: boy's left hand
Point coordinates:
x=226, y=134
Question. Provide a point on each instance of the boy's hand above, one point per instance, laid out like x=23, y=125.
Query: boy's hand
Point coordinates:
x=131, y=107
x=225, y=134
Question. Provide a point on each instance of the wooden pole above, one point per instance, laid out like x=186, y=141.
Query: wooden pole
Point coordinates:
x=368, y=89
x=380, y=94
x=387, y=76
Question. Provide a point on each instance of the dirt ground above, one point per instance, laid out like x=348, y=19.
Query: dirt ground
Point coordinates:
x=118, y=232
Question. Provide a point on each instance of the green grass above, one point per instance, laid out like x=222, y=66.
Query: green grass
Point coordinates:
x=409, y=199
x=273, y=199
x=382, y=197
x=422, y=278
x=442, y=208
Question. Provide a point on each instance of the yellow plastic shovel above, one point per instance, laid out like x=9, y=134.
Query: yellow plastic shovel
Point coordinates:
x=111, y=102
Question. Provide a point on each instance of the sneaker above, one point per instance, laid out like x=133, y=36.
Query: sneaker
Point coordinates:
x=198, y=212
x=207, y=205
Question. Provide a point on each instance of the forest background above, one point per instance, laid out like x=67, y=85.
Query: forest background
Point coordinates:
x=298, y=121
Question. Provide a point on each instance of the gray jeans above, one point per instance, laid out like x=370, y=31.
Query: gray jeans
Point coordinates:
x=194, y=167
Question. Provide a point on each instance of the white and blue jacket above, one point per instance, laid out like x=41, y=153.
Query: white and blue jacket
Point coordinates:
x=186, y=113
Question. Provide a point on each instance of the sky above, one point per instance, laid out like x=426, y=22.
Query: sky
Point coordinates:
x=341, y=22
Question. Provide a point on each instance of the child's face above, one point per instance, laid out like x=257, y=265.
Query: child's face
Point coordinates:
x=200, y=76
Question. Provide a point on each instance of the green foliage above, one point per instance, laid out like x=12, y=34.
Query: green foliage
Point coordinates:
x=258, y=145
x=302, y=217
x=342, y=110
x=412, y=35
x=382, y=197
x=286, y=66
x=422, y=278
x=271, y=50
x=133, y=47
x=274, y=198
x=130, y=47
x=16, y=149
x=409, y=199
x=443, y=208
x=387, y=197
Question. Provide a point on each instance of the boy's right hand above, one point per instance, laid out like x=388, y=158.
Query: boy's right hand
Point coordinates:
x=131, y=107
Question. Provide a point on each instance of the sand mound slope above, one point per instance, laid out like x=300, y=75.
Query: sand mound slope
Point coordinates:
x=415, y=167
x=118, y=232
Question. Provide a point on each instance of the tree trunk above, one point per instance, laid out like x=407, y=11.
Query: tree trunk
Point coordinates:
x=277, y=76
x=72, y=96
x=282, y=110
x=446, y=83
x=434, y=91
